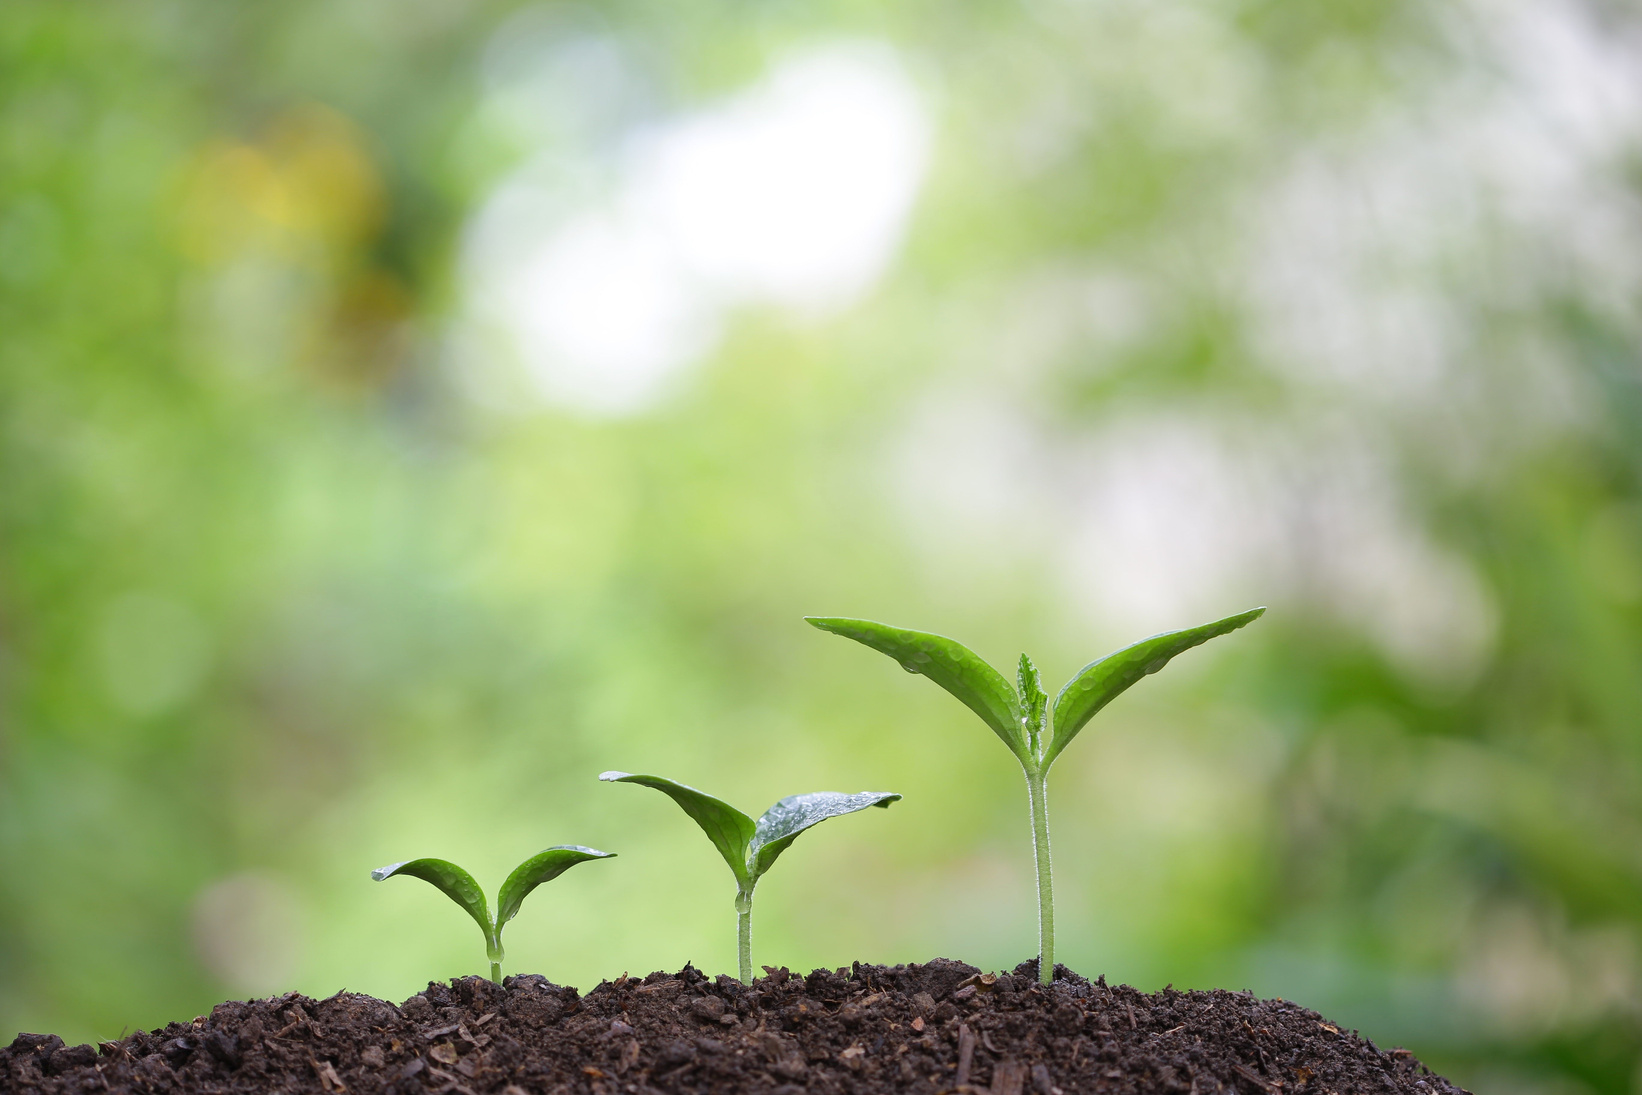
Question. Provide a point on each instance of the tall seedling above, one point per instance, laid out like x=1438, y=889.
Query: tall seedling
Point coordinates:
x=750, y=847
x=1034, y=733
x=459, y=886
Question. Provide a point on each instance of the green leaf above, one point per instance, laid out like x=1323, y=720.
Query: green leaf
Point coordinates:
x=1032, y=702
x=949, y=664
x=782, y=823
x=542, y=867
x=1099, y=683
x=729, y=829
x=454, y=882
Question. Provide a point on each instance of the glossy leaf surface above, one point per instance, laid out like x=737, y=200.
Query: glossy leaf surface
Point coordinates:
x=1100, y=682
x=729, y=829
x=782, y=823
x=542, y=867
x=452, y=880
x=949, y=664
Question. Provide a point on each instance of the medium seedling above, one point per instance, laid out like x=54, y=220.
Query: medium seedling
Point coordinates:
x=1036, y=736
x=460, y=887
x=751, y=847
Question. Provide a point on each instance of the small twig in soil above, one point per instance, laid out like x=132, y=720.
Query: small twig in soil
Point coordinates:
x=966, y=1052
x=287, y=1028
x=1008, y=1077
x=451, y=1082
x=328, y=1079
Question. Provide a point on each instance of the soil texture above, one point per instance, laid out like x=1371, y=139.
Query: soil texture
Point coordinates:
x=942, y=1027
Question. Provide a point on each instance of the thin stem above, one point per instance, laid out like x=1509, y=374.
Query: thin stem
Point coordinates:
x=493, y=949
x=744, y=933
x=1037, y=798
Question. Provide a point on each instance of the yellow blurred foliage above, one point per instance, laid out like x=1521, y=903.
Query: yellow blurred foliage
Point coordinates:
x=306, y=192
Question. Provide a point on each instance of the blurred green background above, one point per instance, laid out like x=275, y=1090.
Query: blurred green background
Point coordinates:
x=411, y=409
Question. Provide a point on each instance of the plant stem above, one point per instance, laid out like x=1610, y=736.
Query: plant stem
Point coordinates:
x=744, y=933
x=493, y=949
x=1037, y=798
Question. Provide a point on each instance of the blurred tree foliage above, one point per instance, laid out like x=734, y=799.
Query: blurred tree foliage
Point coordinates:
x=1328, y=306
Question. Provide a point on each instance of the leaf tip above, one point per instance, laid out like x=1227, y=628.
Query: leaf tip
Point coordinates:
x=613, y=777
x=1242, y=619
x=381, y=874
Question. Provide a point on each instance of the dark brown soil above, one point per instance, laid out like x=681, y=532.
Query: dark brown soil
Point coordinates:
x=940, y=1027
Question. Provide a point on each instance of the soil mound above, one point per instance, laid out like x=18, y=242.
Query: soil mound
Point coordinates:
x=919, y=1029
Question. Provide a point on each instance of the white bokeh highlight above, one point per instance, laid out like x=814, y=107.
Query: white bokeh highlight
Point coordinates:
x=794, y=194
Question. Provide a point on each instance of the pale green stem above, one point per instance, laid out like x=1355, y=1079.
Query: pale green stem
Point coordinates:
x=493, y=948
x=1037, y=798
x=744, y=933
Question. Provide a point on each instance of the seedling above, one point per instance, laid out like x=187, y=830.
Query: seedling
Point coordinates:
x=1035, y=736
x=460, y=887
x=750, y=847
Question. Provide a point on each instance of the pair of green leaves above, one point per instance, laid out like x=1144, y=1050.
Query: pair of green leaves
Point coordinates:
x=748, y=846
x=1035, y=734
x=459, y=886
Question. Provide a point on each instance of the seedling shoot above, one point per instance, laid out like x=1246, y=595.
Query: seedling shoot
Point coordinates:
x=751, y=847
x=1033, y=733
x=459, y=886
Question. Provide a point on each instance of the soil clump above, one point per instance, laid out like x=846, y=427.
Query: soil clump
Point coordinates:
x=941, y=1027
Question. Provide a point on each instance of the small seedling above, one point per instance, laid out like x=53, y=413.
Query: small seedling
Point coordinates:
x=1034, y=735
x=460, y=887
x=750, y=847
